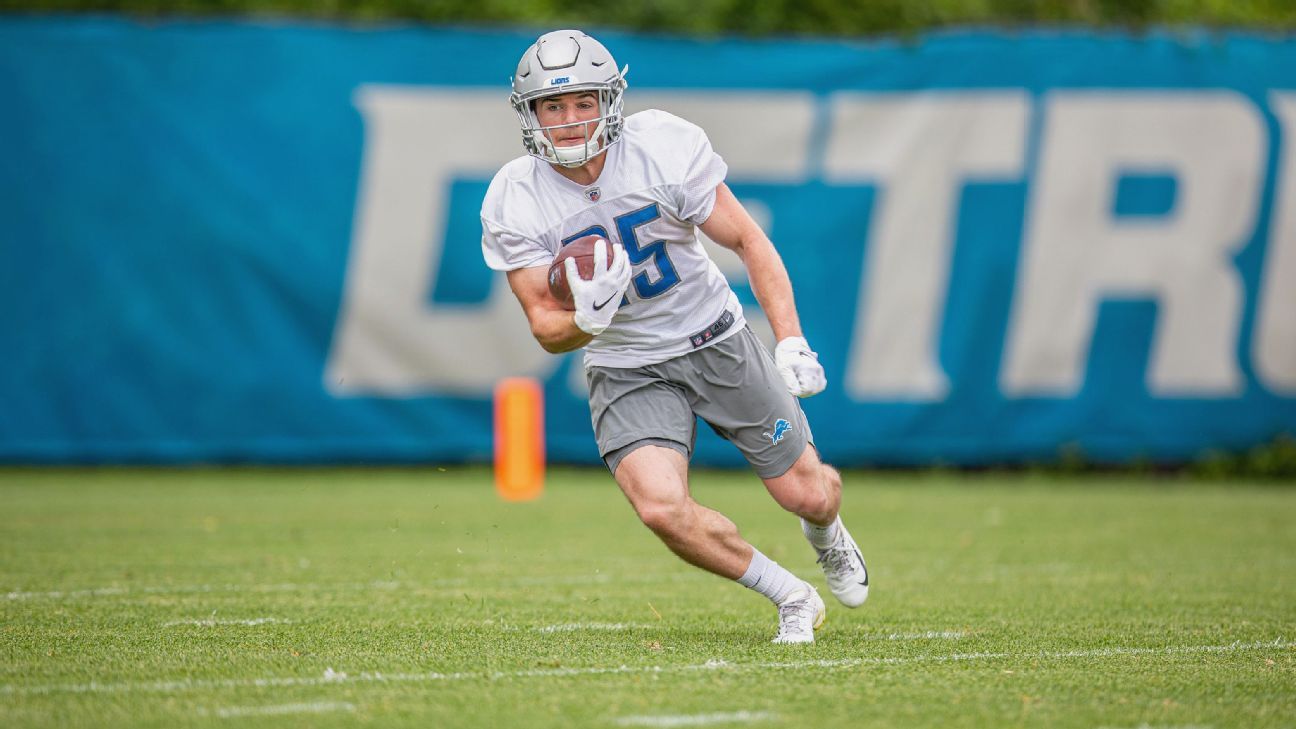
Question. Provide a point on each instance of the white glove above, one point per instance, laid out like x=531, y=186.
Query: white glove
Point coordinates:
x=800, y=367
x=598, y=298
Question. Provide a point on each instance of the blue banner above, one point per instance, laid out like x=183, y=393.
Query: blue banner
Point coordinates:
x=252, y=241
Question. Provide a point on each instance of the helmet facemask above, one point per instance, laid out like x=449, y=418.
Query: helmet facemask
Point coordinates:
x=606, y=126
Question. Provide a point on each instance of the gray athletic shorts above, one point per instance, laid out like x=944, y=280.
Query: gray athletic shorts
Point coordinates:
x=732, y=385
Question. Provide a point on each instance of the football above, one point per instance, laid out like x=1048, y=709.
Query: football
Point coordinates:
x=582, y=249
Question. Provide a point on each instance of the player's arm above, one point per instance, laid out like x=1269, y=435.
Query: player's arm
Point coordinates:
x=552, y=326
x=596, y=299
x=732, y=227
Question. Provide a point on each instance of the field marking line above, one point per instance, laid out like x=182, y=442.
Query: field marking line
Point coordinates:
x=731, y=717
x=1146, y=725
x=65, y=594
x=929, y=635
x=438, y=584
x=213, y=622
x=316, y=707
x=16, y=595
x=576, y=627
x=337, y=677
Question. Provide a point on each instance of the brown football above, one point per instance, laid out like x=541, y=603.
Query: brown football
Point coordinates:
x=582, y=249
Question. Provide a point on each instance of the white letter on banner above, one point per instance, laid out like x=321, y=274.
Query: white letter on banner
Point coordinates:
x=920, y=148
x=1274, y=344
x=1077, y=253
x=390, y=339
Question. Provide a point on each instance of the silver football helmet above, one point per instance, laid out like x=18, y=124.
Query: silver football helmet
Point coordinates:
x=562, y=62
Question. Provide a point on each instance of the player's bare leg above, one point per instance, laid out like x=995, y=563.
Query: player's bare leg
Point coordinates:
x=655, y=481
x=811, y=489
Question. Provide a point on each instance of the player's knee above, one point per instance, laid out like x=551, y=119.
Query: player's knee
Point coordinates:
x=813, y=491
x=832, y=480
x=664, y=518
x=812, y=501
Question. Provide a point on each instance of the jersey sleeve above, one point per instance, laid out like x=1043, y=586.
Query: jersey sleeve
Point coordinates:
x=506, y=250
x=704, y=171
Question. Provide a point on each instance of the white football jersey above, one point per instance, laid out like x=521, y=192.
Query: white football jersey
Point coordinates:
x=657, y=185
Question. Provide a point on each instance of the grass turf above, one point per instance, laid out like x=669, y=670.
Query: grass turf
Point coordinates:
x=394, y=597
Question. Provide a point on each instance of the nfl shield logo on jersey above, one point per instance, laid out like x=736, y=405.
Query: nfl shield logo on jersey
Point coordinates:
x=593, y=194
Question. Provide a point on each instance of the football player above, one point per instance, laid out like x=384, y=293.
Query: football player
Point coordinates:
x=664, y=335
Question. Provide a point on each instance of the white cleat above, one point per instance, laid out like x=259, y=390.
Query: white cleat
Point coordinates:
x=800, y=616
x=844, y=568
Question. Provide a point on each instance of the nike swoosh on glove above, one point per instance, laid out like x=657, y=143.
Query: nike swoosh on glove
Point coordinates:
x=800, y=367
x=598, y=298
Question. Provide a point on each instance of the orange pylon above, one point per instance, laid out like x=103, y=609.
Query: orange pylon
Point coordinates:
x=519, y=439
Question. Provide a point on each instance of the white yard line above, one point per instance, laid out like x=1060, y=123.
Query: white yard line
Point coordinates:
x=317, y=707
x=66, y=594
x=929, y=635
x=578, y=627
x=213, y=622
x=179, y=590
x=1146, y=725
x=441, y=584
x=732, y=717
x=336, y=677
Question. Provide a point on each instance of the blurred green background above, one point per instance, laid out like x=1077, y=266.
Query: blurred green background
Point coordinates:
x=742, y=17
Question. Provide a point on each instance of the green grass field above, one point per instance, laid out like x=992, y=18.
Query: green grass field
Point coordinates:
x=416, y=598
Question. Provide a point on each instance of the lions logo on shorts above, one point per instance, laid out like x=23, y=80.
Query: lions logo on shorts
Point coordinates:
x=781, y=427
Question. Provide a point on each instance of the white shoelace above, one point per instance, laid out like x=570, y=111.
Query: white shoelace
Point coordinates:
x=838, y=561
x=796, y=616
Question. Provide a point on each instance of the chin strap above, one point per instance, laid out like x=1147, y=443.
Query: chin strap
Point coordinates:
x=575, y=155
